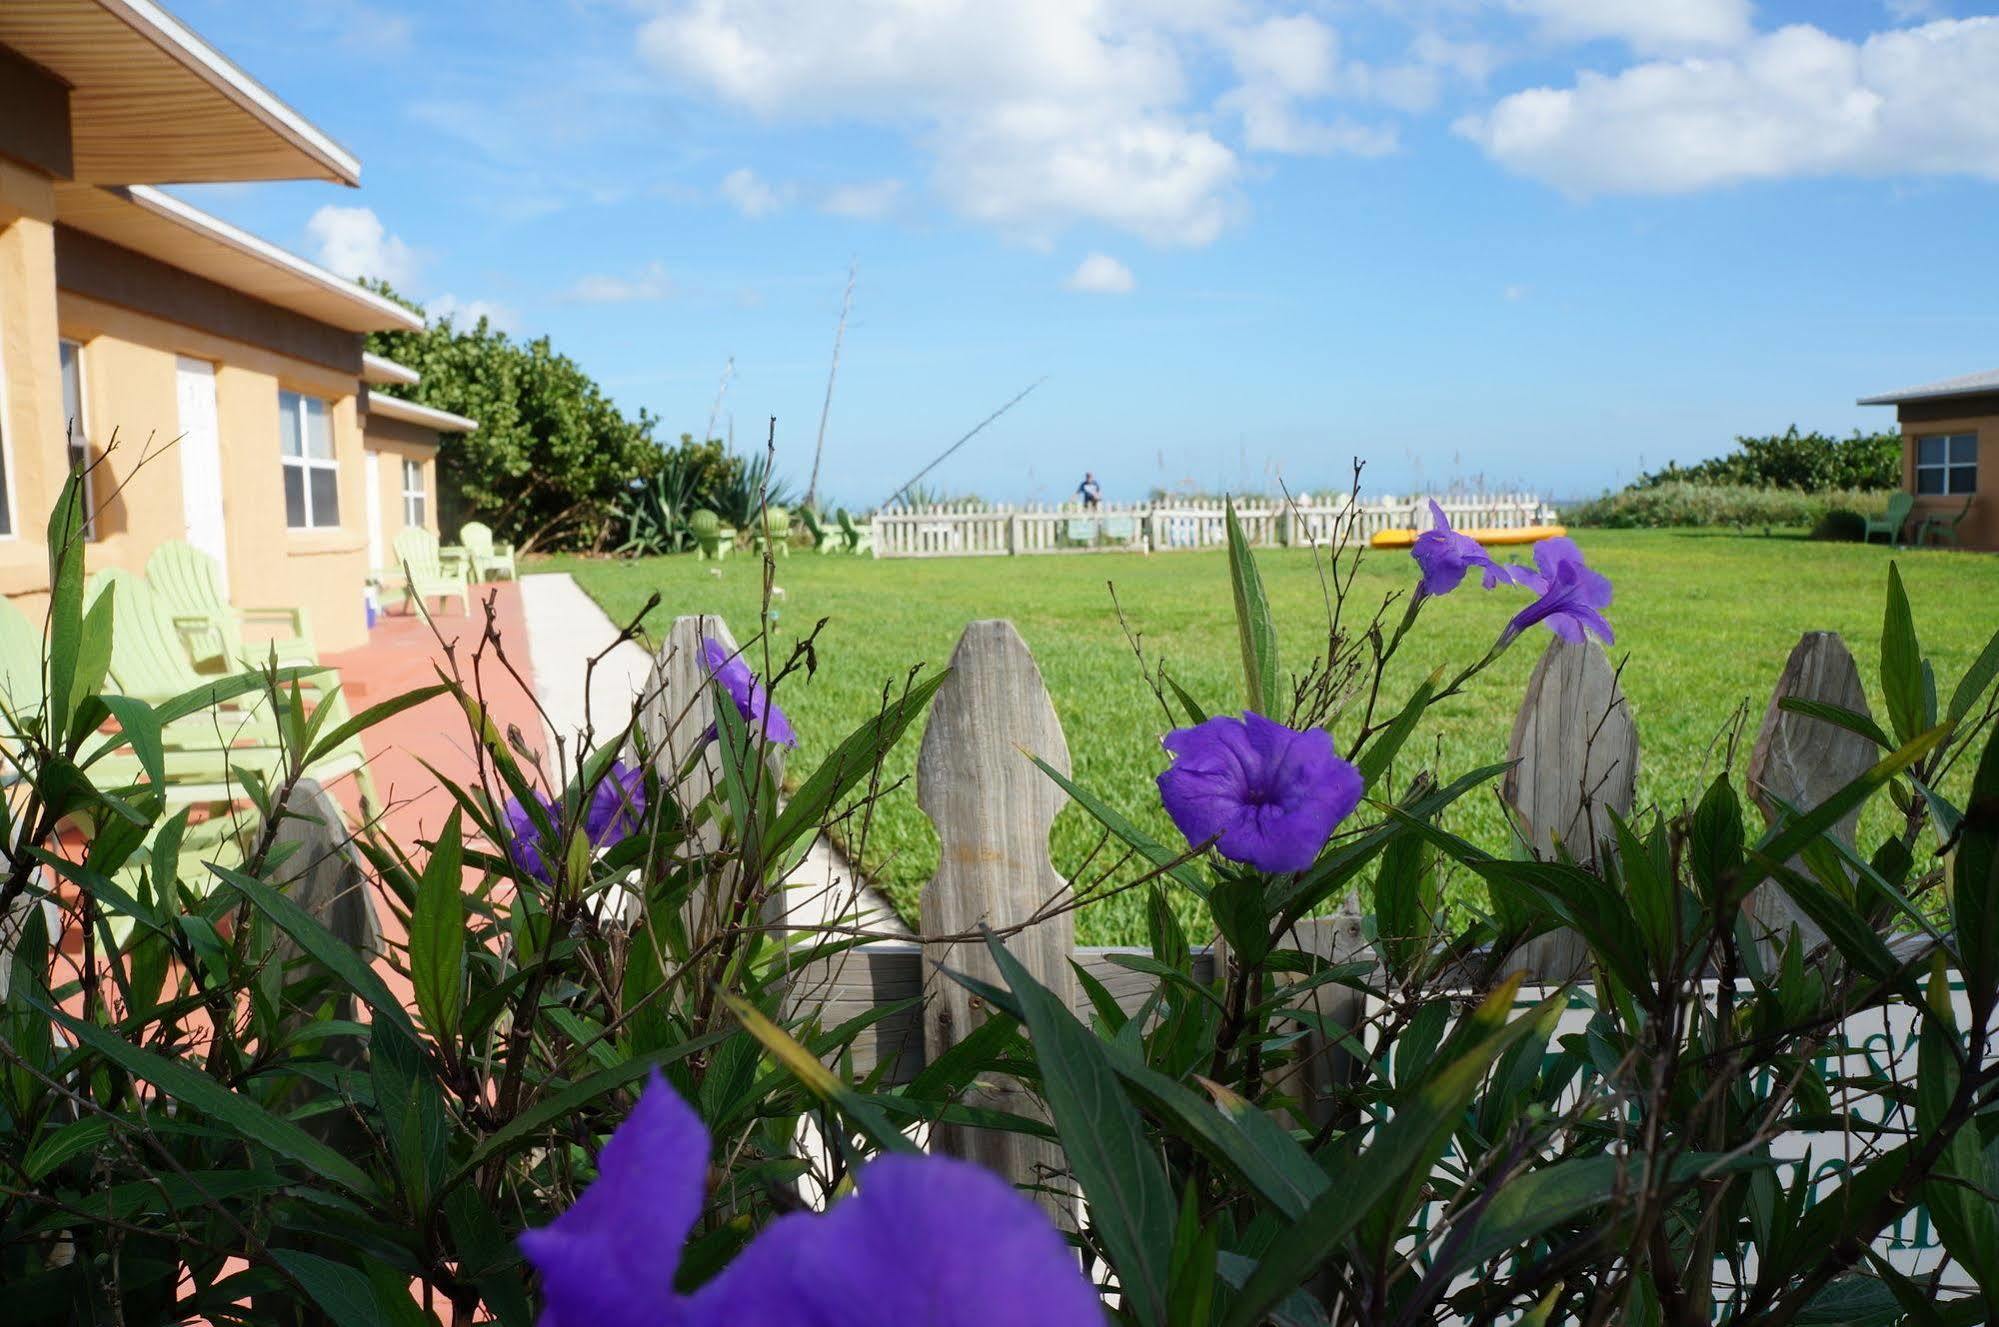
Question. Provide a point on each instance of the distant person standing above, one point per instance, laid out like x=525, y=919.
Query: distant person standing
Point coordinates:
x=1090, y=491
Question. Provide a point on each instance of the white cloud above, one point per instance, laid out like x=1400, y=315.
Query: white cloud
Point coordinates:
x=1516, y=292
x=651, y=283
x=1101, y=274
x=1037, y=113
x=870, y=201
x=753, y=196
x=1794, y=102
x=468, y=312
x=1651, y=26
x=353, y=242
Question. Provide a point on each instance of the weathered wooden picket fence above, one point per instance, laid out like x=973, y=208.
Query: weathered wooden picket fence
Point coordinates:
x=966, y=529
x=1576, y=747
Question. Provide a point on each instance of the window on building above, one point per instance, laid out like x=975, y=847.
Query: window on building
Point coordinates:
x=76, y=428
x=1947, y=463
x=415, y=498
x=312, y=476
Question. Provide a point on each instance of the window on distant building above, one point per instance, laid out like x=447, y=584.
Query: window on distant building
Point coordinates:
x=415, y=499
x=1947, y=463
x=76, y=428
x=312, y=476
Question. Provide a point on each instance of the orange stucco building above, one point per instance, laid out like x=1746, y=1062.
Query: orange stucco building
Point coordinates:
x=215, y=384
x=1950, y=453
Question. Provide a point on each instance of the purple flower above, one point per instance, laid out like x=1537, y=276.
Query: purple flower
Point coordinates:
x=752, y=700
x=1572, y=597
x=617, y=806
x=1272, y=794
x=1445, y=556
x=922, y=1242
x=524, y=837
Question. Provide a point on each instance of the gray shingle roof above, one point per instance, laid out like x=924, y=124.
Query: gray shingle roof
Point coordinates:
x=1971, y=384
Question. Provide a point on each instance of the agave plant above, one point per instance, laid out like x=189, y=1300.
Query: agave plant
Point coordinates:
x=654, y=511
x=749, y=490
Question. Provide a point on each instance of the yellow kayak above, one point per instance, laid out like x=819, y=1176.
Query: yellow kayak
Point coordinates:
x=1530, y=534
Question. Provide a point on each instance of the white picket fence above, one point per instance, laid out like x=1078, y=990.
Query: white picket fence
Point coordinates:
x=965, y=529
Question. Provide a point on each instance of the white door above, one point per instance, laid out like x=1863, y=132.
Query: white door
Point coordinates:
x=372, y=492
x=200, y=450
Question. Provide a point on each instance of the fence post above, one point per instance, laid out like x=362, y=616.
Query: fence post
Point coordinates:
x=993, y=810
x=1801, y=761
x=1577, y=750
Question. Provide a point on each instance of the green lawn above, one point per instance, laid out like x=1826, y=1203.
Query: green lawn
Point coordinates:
x=1705, y=619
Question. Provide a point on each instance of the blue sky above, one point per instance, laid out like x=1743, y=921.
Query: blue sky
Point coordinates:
x=1543, y=243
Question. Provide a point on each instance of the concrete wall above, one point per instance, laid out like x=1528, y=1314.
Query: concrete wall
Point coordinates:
x=1972, y=414
x=31, y=416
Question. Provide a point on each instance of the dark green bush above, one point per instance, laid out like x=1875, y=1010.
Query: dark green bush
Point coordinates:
x=1842, y=525
x=1684, y=503
x=1805, y=461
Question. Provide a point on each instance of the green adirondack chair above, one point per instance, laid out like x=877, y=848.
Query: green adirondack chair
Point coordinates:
x=489, y=560
x=823, y=540
x=712, y=539
x=150, y=661
x=860, y=534
x=190, y=583
x=773, y=532
x=1899, y=507
x=428, y=574
x=1943, y=525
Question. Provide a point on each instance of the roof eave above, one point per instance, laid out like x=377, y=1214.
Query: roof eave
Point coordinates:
x=409, y=412
x=180, y=42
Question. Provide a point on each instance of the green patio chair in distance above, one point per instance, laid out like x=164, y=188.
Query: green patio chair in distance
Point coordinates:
x=823, y=540
x=150, y=661
x=190, y=583
x=860, y=534
x=1944, y=526
x=490, y=561
x=428, y=574
x=772, y=531
x=712, y=539
x=1899, y=507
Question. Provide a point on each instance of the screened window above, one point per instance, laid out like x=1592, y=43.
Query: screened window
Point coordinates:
x=312, y=476
x=76, y=428
x=1947, y=463
x=415, y=499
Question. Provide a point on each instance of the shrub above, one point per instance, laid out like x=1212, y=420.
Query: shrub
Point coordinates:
x=1683, y=503
x=1841, y=524
x=1805, y=461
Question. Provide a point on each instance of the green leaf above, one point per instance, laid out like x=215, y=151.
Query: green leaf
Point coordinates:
x=1901, y=662
x=817, y=1079
x=1196, y=712
x=1974, y=893
x=69, y=1141
x=1382, y=750
x=1131, y=1206
x=197, y=1091
x=1133, y=837
x=138, y=728
x=852, y=761
x=369, y=717
x=311, y=935
x=1840, y=717
x=342, y=1293
x=65, y=632
x=1976, y=678
x=93, y=661
x=1254, y=626
x=1714, y=842
x=1404, y=1150
x=437, y=932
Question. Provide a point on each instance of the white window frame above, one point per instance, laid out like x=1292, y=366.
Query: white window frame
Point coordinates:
x=76, y=430
x=1944, y=468
x=306, y=463
x=416, y=500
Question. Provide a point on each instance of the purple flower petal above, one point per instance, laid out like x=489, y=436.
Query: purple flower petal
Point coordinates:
x=617, y=806
x=752, y=700
x=1445, y=556
x=609, y=1260
x=1268, y=795
x=1572, y=597
x=923, y=1242
x=523, y=846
